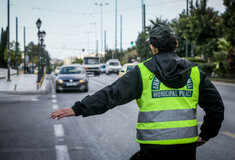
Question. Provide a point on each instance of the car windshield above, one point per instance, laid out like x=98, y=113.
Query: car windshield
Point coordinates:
x=91, y=61
x=113, y=63
x=72, y=70
x=102, y=66
x=130, y=68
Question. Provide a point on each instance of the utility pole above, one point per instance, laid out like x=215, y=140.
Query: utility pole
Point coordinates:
x=17, y=46
x=192, y=45
x=142, y=14
x=24, y=53
x=121, y=35
x=8, y=41
x=101, y=18
x=115, y=48
x=186, y=43
x=144, y=17
x=104, y=40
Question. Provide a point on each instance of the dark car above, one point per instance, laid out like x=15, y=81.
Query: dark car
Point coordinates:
x=72, y=77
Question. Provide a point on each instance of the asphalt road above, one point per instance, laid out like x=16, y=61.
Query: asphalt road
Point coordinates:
x=27, y=132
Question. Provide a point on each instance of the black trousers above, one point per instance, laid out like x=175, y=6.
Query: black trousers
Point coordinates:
x=166, y=152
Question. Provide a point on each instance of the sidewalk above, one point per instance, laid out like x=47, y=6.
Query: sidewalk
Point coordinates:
x=3, y=72
x=24, y=83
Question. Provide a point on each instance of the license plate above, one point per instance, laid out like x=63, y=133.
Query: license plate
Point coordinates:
x=71, y=84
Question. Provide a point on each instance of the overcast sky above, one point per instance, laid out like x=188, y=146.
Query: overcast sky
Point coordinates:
x=72, y=25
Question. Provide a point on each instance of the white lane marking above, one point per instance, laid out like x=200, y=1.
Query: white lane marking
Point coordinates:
x=54, y=101
x=229, y=134
x=97, y=83
x=53, y=96
x=62, y=152
x=55, y=106
x=59, y=130
x=34, y=99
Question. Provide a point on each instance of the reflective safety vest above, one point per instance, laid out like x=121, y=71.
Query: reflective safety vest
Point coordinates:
x=167, y=116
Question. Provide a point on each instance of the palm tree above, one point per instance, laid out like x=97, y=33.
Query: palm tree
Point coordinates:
x=226, y=46
x=154, y=22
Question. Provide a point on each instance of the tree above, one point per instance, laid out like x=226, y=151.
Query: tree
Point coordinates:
x=3, y=45
x=142, y=46
x=205, y=28
x=12, y=55
x=179, y=25
x=77, y=61
x=229, y=34
x=108, y=55
x=154, y=22
x=32, y=52
x=226, y=46
x=228, y=21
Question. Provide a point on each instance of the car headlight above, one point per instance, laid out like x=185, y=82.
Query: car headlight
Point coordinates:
x=81, y=81
x=60, y=81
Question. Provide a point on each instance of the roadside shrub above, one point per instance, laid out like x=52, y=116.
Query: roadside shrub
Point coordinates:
x=208, y=68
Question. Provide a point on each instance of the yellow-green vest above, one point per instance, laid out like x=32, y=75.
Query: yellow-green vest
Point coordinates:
x=167, y=116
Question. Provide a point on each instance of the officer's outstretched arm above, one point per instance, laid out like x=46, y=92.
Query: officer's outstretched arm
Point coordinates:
x=66, y=112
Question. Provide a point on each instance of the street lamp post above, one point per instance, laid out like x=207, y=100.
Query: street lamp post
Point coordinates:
x=101, y=15
x=38, y=23
x=42, y=55
x=42, y=46
x=8, y=41
x=41, y=36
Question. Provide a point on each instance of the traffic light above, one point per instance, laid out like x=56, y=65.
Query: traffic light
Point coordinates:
x=132, y=43
x=83, y=50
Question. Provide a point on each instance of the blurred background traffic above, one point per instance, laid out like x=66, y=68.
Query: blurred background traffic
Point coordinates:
x=41, y=38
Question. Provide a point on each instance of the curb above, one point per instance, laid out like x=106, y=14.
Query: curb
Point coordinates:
x=25, y=92
x=42, y=91
x=6, y=76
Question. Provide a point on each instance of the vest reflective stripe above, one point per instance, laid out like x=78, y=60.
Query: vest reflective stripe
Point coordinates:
x=167, y=116
x=170, y=124
x=166, y=134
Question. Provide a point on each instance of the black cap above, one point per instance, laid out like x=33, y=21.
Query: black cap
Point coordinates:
x=160, y=30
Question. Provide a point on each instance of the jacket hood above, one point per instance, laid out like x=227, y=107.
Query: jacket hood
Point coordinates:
x=170, y=69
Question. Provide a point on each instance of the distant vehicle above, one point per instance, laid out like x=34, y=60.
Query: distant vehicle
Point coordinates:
x=72, y=77
x=36, y=70
x=92, y=65
x=57, y=70
x=103, y=68
x=126, y=68
x=113, y=66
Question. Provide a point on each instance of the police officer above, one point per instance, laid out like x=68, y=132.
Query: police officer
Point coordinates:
x=167, y=90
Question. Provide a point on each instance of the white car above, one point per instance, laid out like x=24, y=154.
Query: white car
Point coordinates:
x=113, y=66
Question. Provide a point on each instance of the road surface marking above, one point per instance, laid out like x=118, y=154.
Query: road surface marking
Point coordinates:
x=54, y=101
x=62, y=152
x=229, y=134
x=97, y=83
x=55, y=106
x=59, y=130
x=53, y=96
x=34, y=99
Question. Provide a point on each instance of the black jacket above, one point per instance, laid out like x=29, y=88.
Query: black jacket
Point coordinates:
x=171, y=70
